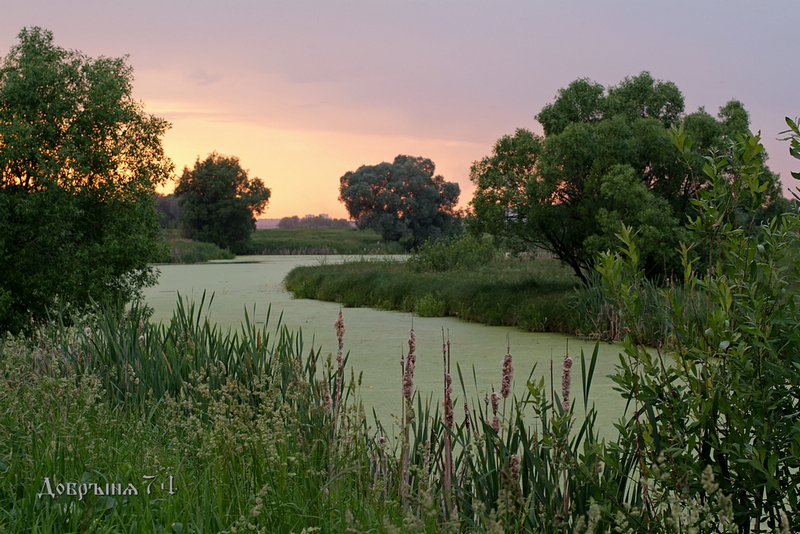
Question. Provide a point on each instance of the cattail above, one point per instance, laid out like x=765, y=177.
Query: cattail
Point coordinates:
x=466, y=416
x=566, y=382
x=508, y=376
x=495, y=402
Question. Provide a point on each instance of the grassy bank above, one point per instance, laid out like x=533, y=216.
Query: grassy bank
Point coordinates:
x=181, y=250
x=534, y=295
x=321, y=241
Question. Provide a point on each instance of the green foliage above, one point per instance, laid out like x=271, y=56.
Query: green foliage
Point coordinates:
x=184, y=251
x=220, y=202
x=464, y=252
x=236, y=420
x=403, y=200
x=316, y=221
x=606, y=158
x=79, y=164
x=720, y=401
x=169, y=209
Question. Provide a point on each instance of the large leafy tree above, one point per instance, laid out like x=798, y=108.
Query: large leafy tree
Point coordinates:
x=79, y=164
x=606, y=158
x=403, y=201
x=220, y=202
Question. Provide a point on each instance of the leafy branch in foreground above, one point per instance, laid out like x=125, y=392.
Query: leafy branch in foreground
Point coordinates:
x=715, y=417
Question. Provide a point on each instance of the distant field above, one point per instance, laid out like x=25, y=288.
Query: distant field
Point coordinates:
x=321, y=241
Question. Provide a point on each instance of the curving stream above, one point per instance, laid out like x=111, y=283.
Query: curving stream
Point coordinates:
x=375, y=338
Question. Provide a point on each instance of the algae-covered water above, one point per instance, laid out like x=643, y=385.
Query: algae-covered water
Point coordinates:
x=376, y=338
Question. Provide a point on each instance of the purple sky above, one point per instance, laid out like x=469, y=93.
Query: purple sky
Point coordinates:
x=304, y=90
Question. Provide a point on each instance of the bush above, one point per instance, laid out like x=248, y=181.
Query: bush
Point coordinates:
x=464, y=252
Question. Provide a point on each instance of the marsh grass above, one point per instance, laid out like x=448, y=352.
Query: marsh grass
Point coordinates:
x=533, y=295
x=257, y=433
x=186, y=251
x=321, y=241
x=237, y=419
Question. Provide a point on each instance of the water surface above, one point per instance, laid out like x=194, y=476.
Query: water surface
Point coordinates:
x=376, y=338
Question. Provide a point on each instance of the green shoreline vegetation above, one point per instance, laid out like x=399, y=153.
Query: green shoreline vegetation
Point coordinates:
x=533, y=295
x=322, y=241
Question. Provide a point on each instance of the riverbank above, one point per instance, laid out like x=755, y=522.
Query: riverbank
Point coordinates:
x=533, y=295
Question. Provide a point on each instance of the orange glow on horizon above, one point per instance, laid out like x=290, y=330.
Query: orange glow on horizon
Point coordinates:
x=302, y=168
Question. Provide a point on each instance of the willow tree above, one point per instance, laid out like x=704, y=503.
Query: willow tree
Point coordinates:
x=606, y=158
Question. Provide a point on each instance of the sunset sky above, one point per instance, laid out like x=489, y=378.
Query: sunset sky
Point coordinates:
x=303, y=91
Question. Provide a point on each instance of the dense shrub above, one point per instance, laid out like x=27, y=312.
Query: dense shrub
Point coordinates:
x=466, y=251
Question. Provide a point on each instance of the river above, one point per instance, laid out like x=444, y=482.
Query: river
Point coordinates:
x=376, y=338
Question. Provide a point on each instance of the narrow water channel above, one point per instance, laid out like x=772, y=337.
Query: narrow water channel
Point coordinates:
x=376, y=338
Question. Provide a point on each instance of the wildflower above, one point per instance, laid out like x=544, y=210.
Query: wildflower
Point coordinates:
x=707, y=480
x=496, y=423
x=514, y=467
x=508, y=376
x=339, y=326
x=326, y=399
x=566, y=382
x=411, y=361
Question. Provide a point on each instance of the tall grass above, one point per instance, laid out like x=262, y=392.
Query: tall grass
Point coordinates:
x=185, y=251
x=237, y=419
x=321, y=241
x=248, y=430
x=533, y=295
